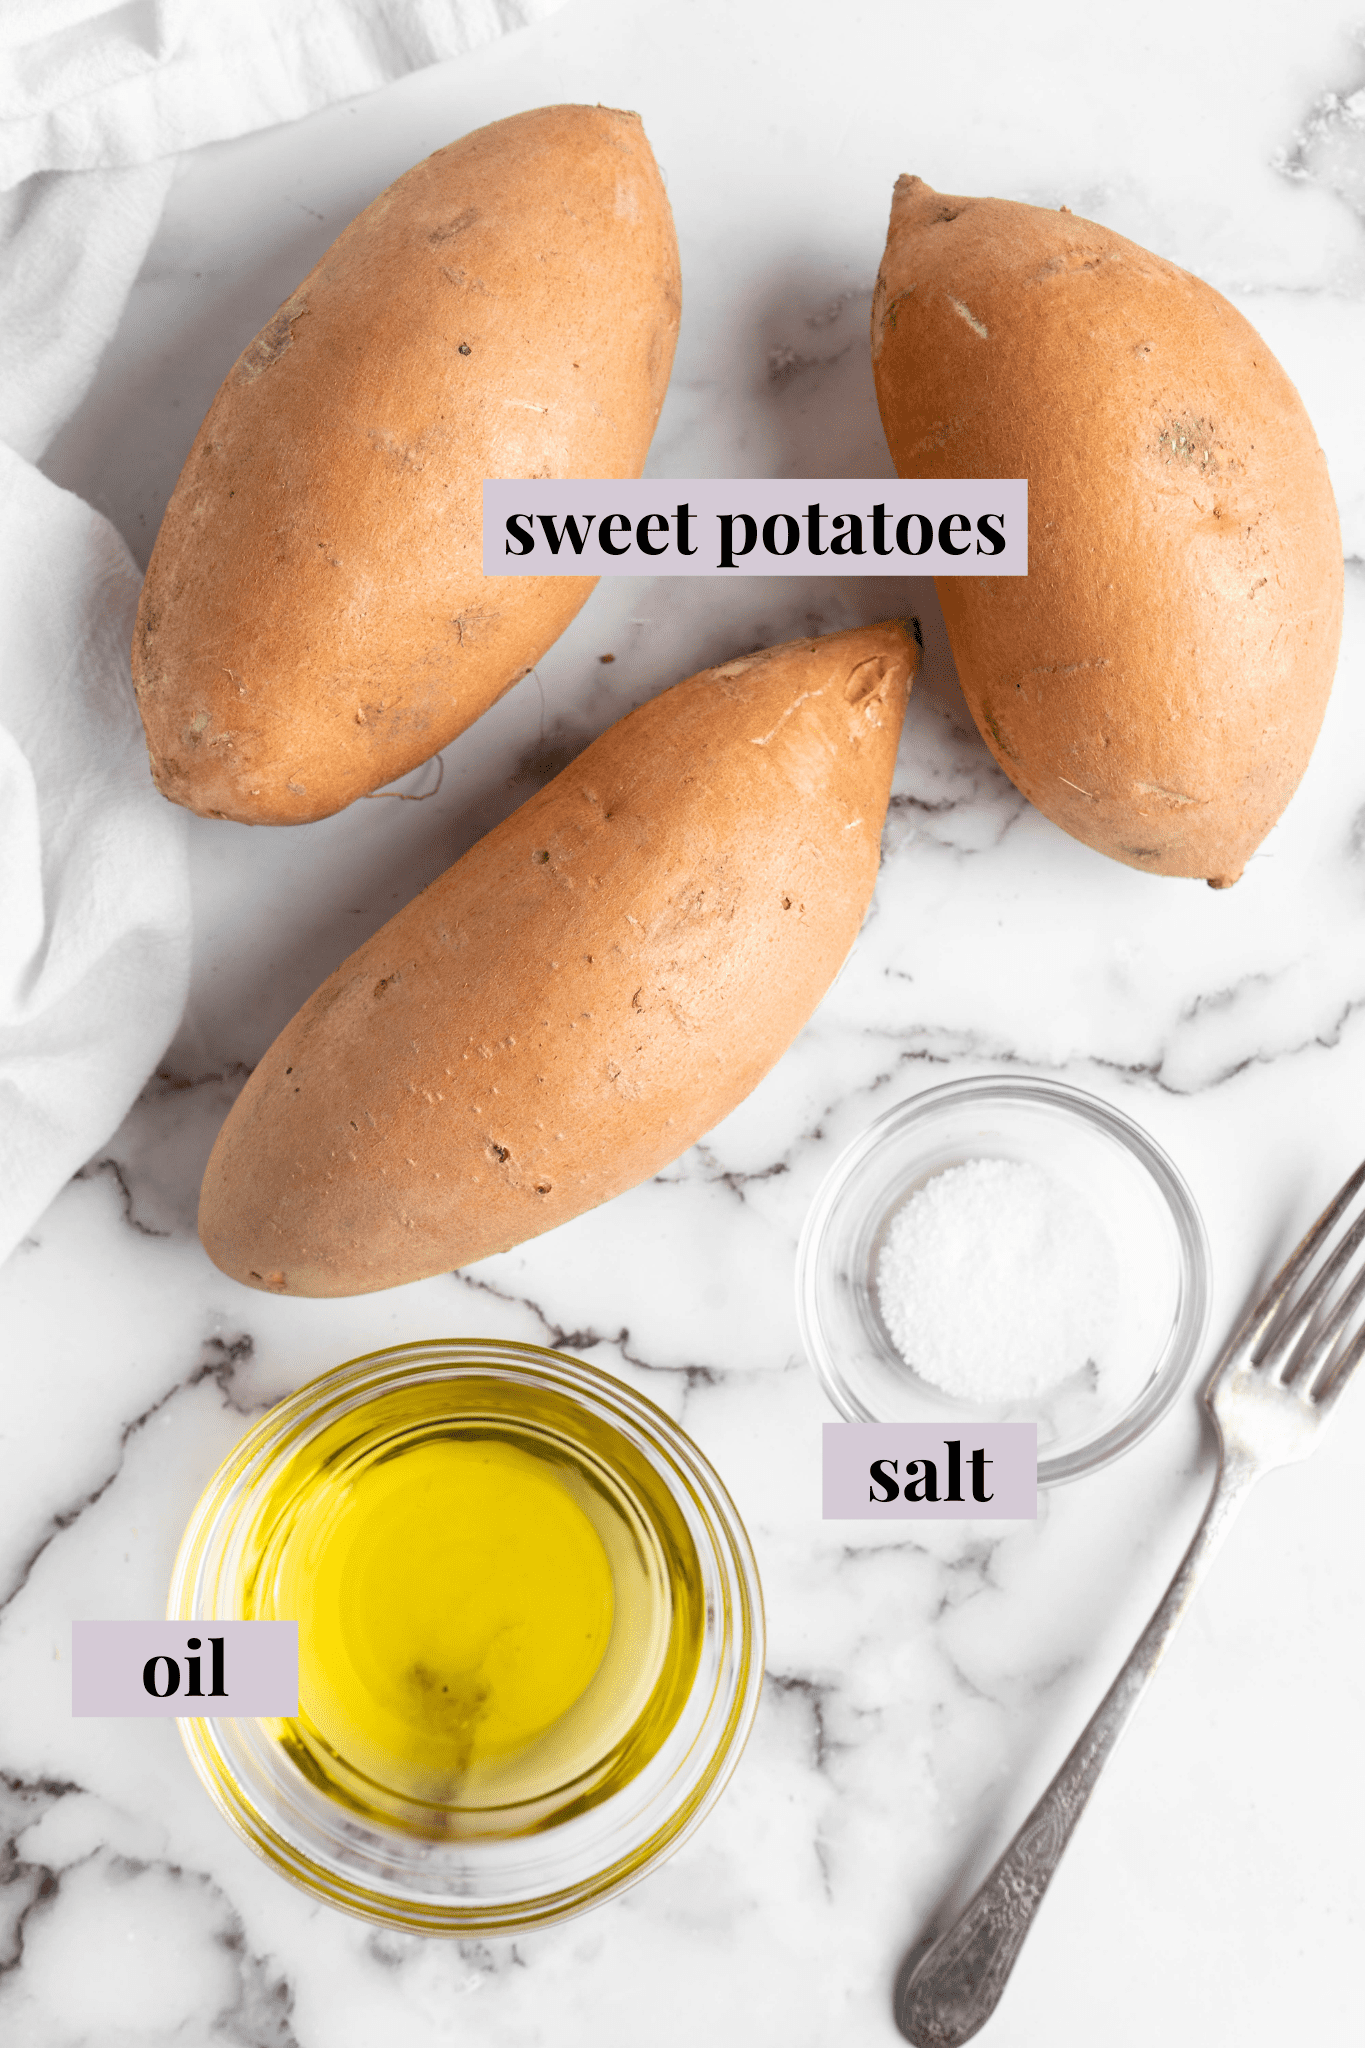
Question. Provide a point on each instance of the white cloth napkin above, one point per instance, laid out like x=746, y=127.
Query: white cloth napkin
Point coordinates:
x=94, y=936
x=96, y=97
x=89, y=84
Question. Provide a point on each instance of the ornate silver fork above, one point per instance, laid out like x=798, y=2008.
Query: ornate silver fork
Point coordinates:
x=1270, y=1394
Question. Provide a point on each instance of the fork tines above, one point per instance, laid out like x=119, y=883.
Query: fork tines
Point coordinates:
x=1304, y=1328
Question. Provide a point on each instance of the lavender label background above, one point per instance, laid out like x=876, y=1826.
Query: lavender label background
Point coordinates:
x=260, y=1667
x=709, y=498
x=1011, y=1475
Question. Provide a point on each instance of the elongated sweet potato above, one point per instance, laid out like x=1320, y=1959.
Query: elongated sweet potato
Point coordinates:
x=595, y=984
x=1155, y=684
x=315, y=619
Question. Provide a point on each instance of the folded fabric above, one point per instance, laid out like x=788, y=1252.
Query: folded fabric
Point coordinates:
x=94, y=877
x=95, y=929
x=95, y=98
x=70, y=248
x=101, y=83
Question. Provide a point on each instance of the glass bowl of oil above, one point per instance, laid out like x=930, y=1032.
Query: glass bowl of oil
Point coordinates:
x=530, y=1635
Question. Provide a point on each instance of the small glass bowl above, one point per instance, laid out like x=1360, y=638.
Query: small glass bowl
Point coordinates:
x=1133, y=1188
x=432, y=1879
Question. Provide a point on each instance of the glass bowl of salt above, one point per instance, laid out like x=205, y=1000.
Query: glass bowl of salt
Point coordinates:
x=1006, y=1250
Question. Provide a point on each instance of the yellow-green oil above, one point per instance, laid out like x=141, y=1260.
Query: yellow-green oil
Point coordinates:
x=499, y=1604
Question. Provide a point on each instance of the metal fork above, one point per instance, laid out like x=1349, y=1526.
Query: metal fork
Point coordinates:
x=1270, y=1394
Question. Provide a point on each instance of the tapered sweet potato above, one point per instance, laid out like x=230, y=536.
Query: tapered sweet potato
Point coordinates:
x=594, y=985
x=1155, y=684
x=315, y=619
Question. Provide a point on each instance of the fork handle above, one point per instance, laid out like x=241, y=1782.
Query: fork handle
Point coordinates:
x=955, y=1987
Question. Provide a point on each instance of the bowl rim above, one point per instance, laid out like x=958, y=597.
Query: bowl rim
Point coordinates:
x=671, y=1809
x=1186, y=1340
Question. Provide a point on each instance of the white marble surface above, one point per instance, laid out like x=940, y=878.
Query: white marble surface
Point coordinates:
x=920, y=1685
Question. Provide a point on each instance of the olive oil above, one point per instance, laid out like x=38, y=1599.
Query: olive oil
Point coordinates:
x=499, y=1605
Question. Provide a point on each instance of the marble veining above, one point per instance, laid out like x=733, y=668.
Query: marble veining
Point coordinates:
x=920, y=1686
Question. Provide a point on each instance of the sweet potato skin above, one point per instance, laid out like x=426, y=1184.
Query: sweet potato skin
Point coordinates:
x=595, y=984
x=1155, y=685
x=315, y=619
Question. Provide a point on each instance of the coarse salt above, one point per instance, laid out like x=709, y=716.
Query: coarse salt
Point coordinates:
x=997, y=1281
